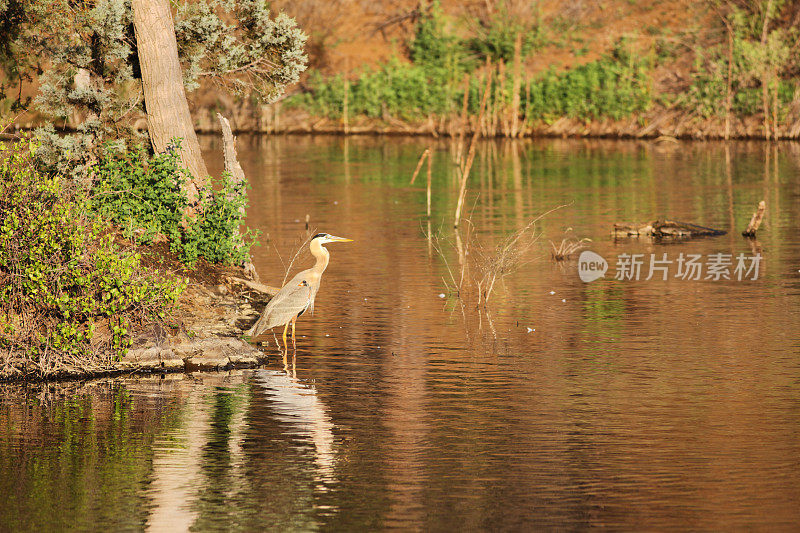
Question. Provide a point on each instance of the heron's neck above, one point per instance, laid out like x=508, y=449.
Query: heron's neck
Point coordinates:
x=322, y=256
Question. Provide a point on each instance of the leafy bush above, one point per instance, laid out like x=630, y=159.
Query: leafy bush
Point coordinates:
x=496, y=39
x=144, y=197
x=433, y=47
x=708, y=91
x=396, y=88
x=614, y=86
x=215, y=234
x=429, y=85
x=753, y=62
x=69, y=295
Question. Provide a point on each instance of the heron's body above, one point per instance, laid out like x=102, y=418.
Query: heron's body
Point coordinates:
x=297, y=296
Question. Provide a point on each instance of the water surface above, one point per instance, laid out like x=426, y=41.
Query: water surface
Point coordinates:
x=627, y=404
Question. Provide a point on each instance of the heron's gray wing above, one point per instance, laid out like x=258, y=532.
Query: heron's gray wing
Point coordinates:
x=290, y=301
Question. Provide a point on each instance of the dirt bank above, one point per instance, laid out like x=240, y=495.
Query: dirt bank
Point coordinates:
x=204, y=333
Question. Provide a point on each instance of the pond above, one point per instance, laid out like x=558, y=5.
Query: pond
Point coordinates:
x=625, y=403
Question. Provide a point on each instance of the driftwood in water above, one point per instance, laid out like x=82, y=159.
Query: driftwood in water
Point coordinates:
x=664, y=228
x=755, y=221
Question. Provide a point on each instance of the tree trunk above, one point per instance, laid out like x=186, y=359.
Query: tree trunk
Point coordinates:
x=165, y=101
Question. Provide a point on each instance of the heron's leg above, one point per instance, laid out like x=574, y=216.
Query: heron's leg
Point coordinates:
x=294, y=342
x=285, y=328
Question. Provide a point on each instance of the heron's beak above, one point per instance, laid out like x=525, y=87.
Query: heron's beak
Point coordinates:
x=339, y=239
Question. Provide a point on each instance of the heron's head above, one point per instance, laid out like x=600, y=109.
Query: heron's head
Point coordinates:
x=324, y=238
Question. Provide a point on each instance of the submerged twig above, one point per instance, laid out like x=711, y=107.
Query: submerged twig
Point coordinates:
x=568, y=246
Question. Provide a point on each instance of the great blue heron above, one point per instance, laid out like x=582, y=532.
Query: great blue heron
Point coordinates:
x=298, y=295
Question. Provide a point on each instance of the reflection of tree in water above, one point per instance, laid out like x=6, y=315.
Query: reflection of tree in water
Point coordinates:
x=213, y=508
x=77, y=454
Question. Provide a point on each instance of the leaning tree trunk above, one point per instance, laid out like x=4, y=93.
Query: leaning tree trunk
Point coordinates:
x=164, y=95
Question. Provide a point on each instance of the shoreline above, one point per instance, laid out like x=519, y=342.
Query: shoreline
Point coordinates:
x=653, y=124
x=657, y=123
x=212, y=316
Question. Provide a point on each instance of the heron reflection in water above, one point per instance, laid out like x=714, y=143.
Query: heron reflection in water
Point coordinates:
x=297, y=405
x=298, y=295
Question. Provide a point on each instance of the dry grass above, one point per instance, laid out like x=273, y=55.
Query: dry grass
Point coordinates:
x=568, y=246
x=482, y=267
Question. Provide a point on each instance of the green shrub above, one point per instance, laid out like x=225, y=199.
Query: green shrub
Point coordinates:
x=215, y=234
x=144, y=197
x=433, y=47
x=396, y=88
x=708, y=91
x=496, y=39
x=141, y=195
x=614, y=86
x=428, y=85
x=69, y=296
x=753, y=61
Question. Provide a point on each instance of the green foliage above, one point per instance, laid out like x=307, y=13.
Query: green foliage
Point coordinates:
x=141, y=195
x=614, y=86
x=91, y=66
x=433, y=47
x=215, y=234
x=62, y=277
x=496, y=39
x=708, y=92
x=396, y=88
x=753, y=62
x=145, y=198
x=428, y=85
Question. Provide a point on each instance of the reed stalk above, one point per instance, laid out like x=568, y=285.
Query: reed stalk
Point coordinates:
x=425, y=154
x=516, y=81
x=467, y=166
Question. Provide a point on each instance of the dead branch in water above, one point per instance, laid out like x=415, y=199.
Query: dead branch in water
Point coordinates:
x=482, y=267
x=664, y=229
x=755, y=221
x=568, y=246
